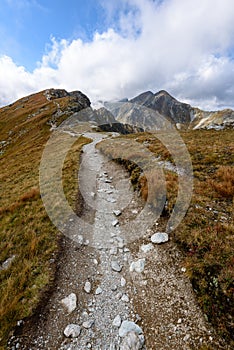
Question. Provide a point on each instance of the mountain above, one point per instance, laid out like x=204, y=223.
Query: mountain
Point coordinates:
x=178, y=113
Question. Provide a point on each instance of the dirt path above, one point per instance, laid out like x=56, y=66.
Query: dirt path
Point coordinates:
x=159, y=299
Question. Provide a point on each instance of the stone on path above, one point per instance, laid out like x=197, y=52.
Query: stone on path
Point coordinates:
x=159, y=237
x=98, y=291
x=117, y=212
x=87, y=287
x=116, y=266
x=115, y=223
x=123, y=282
x=137, y=266
x=72, y=330
x=129, y=326
x=117, y=321
x=70, y=302
x=131, y=341
x=88, y=324
x=145, y=248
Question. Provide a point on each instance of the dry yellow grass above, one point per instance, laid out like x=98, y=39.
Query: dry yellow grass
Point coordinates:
x=206, y=235
x=26, y=231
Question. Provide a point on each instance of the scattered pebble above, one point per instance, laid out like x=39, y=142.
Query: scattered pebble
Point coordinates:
x=72, y=330
x=123, y=282
x=159, y=237
x=116, y=266
x=129, y=326
x=137, y=266
x=87, y=287
x=132, y=341
x=70, y=302
x=98, y=291
x=88, y=324
x=117, y=212
x=117, y=321
x=115, y=223
x=125, y=298
x=145, y=248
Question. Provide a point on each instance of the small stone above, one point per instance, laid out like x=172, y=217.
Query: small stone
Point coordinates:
x=131, y=341
x=186, y=338
x=125, y=298
x=119, y=295
x=159, y=237
x=92, y=194
x=115, y=223
x=137, y=266
x=126, y=250
x=179, y=321
x=70, y=302
x=20, y=323
x=129, y=326
x=123, y=282
x=113, y=288
x=80, y=239
x=88, y=324
x=72, y=330
x=145, y=248
x=87, y=287
x=117, y=212
x=98, y=291
x=115, y=266
x=134, y=211
x=183, y=269
x=113, y=251
x=117, y=321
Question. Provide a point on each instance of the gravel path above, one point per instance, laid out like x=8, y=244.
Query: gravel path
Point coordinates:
x=111, y=282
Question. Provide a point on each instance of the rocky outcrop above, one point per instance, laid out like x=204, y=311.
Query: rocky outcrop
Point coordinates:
x=166, y=107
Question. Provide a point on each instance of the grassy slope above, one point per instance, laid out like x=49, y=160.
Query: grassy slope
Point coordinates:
x=206, y=235
x=26, y=230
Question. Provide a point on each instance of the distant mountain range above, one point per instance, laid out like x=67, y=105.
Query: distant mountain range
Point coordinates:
x=182, y=115
x=146, y=112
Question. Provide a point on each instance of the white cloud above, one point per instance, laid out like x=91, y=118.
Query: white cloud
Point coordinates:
x=180, y=45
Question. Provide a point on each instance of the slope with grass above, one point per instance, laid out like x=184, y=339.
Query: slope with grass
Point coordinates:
x=206, y=235
x=29, y=243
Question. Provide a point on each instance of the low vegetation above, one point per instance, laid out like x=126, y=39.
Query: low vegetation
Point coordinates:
x=27, y=236
x=206, y=235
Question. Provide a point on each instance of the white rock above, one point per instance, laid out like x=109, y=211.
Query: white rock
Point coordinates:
x=113, y=251
x=98, y=291
x=137, y=266
x=92, y=194
x=115, y=223
x=80, y=239
x=117, y=321
x=123, y=282
x=129, y=326
x=115, y=266
x=131, y=341
x=125, y=298
x=159, y=237
x=117, y=212
x=70, y=302
x=88, y=324
x=145, y=248
x=72, y=330
x=87, y=287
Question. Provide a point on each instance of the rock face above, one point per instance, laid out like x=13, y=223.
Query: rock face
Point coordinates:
x=161, y=106
x=166, y=105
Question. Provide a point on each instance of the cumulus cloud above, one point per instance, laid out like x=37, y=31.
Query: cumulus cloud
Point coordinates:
x=184, y=46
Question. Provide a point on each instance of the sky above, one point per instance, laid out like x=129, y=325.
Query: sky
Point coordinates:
x=112, y=49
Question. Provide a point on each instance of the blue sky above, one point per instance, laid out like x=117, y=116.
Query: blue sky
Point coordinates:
x=111, y=49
